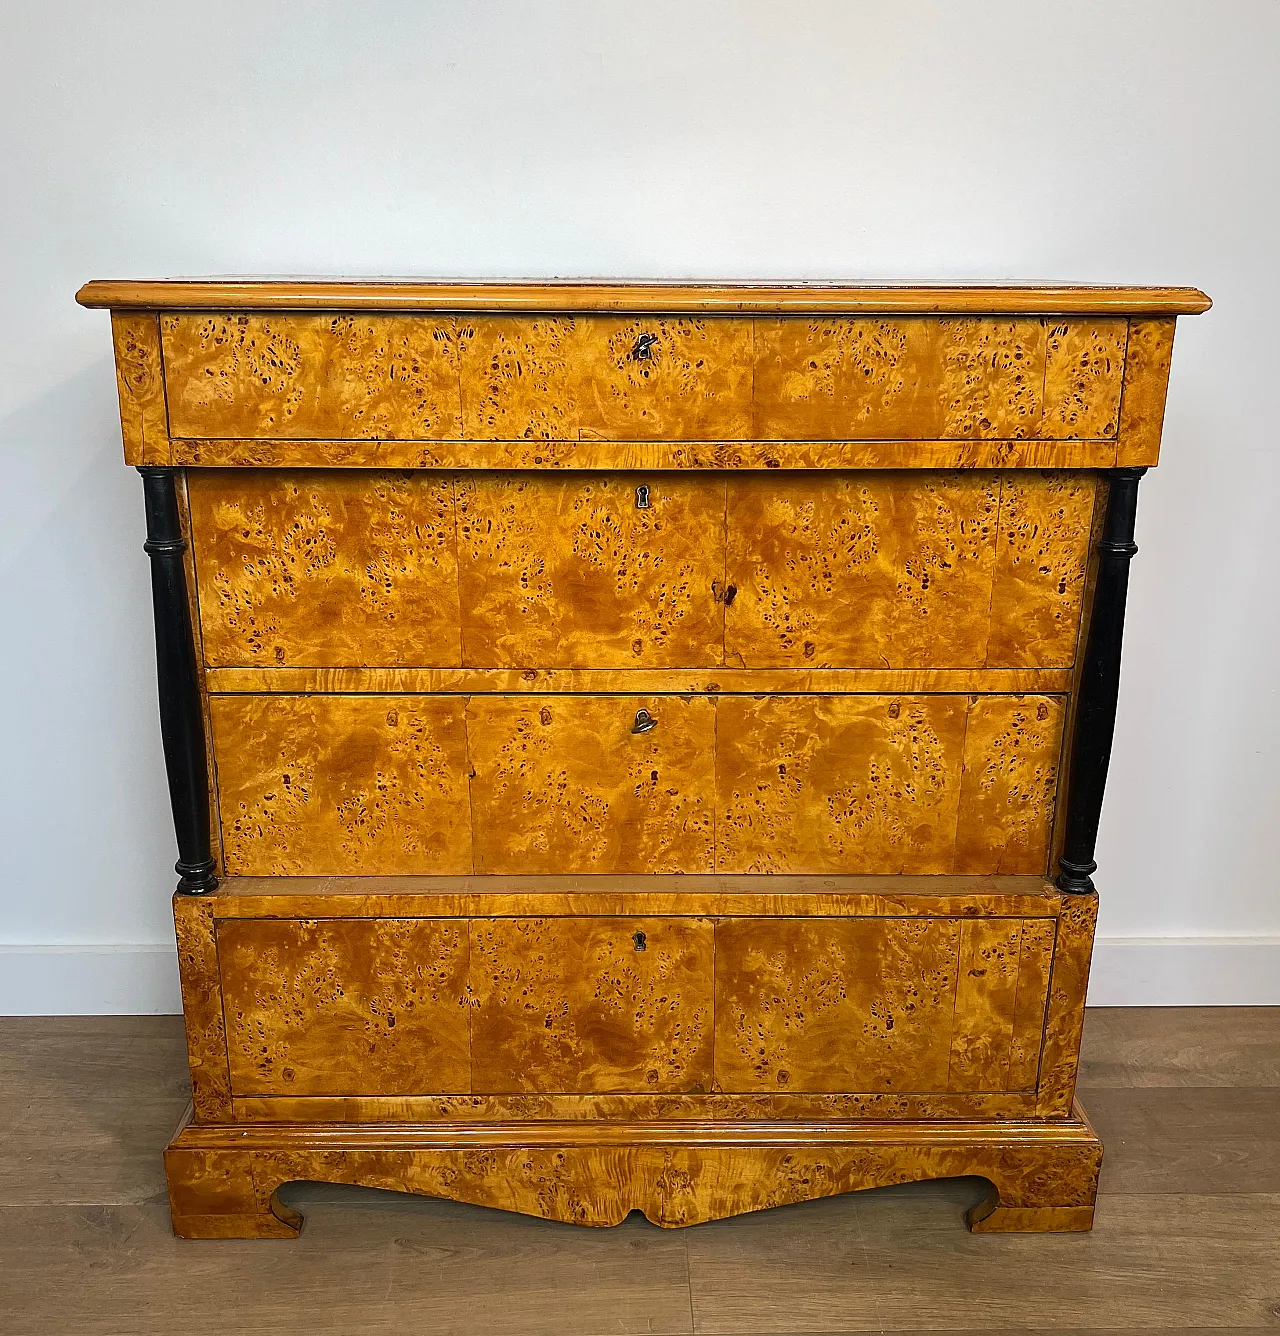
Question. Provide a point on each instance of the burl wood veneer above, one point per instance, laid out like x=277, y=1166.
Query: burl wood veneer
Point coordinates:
x=636, y=746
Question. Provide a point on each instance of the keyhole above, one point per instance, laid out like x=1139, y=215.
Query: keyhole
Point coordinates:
x=638, y=939
x=644, y=347
x=642, y=496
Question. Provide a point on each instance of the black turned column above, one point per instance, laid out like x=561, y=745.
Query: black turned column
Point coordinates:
x=181, y=727
x=1099, y=685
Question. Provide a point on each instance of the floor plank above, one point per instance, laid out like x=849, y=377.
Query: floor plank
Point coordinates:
x=1180, y=1046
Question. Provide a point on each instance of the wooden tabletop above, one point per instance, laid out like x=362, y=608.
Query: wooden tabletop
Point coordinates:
x=408, y=294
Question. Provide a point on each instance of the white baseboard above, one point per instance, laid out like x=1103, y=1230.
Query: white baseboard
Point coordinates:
x=1185, y=972
x=111, y=980
x=142, y=980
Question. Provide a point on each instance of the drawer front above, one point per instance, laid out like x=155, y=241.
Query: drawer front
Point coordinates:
x=401, y=377
x=636, y=1005
x=563, y=783
x=902, y=1005
x=607, y=570
x=938, y=378
x=886, y=784
x=299, y=376
x=325, y=569
x=330, y=785
x=346, y=1006
x=644, y=570
x=940, y=570
x=591, y=1005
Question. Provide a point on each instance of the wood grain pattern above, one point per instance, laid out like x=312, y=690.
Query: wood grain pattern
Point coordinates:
x=872, y=783
x=576, y=1005
x=543, y=896
x=224, y=1183
x=311, y=568
x=564, y=785
x=1084, y=366
x=400, y=294
x=1064, y=1013
x=857, y=570
x=297, y=376
x=571, y=572
x=639, y=681
x=988, y=976
x=766, y=1105
x=1034, y=965
x=1146, y=382
x=1041, y=562
x=1009, y=784
x=342, y=784
x=834, y=1004
x=564, y=377
x=840, y=378
x=193, y=921
x=551, y=456
x=144, y=418
x=346, y=1007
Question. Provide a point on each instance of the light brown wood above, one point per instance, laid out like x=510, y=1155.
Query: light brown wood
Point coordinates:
x=399, y=294
x=1146, y=381
x=635, y=717
x=302, y=568
x=338, y=784
x=572, y=573
x=639, y=681
x=225, y=1182
x=347, y=1006
x=643, y=455
x=591, y=1005
x=593, y=795
x=144, y=420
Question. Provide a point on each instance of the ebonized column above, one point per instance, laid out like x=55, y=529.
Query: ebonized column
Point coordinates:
x=1099, y=685
x=181, y=725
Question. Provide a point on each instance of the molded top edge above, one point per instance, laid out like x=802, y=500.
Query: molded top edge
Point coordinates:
x=362, y=294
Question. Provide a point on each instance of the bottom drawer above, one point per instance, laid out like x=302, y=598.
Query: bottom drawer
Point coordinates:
x=633, y=1005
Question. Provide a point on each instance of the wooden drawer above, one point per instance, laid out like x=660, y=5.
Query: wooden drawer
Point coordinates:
x=591, y=1005
x=422, y=377
x=886, y=784
x=644, y=570
x=346, y=1006
x=938, y=378
x=291, y=376
x=903, y=1005
x=641, y=1005
x=330, y=785
x=932, y=570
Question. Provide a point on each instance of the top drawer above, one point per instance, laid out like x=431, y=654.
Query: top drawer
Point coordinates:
x=641, y=378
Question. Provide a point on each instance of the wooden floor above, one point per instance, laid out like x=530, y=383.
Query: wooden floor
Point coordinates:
x=1187, y=1234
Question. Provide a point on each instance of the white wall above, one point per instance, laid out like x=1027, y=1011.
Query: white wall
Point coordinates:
x=1109, y=141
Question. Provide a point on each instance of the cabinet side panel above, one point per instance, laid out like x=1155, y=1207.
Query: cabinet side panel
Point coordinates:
x=202, y=1007
x=1146, y=382
x=592, y=1005
x=347, y=1006
x=140, y=384
x=334, y=785
x=1064, y=1015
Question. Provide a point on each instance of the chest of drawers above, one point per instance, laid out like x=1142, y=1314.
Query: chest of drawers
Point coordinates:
x=636, y=746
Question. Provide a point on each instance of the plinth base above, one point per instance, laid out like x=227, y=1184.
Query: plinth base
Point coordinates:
x=224, y=1178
